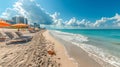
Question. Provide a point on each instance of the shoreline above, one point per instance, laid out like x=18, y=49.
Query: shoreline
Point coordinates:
x=67, y=54
x=66, y=60
x=82, y=57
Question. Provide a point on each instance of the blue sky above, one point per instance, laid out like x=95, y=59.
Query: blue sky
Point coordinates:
x=89, y=9
x=5, y=4
x=80, y=13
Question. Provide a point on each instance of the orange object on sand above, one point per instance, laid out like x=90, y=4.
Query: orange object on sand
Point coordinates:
x=51, y=52
x=4, y=24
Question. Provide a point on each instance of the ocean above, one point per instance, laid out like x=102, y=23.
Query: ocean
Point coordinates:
x=104, y=44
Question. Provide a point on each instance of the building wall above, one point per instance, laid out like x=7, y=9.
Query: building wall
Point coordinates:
x=20, y=19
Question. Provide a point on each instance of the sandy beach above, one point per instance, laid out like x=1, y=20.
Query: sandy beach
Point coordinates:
x=59, y=33
x=61, y=52
x=42, y=51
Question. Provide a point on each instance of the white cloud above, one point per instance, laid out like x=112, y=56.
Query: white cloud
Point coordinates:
x=99, y=22
x=56, y=19
x=35, y=13
x=72, y=22
x=55, y=15
x=78, y=23
x=112, y=22
x=104, y=22
x=117, y=17
x=29, y=9
x=8, y=12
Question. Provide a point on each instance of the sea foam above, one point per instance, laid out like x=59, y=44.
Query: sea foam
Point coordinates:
x=98, y=54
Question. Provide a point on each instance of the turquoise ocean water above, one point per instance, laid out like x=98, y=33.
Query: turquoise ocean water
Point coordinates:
x=101, y=43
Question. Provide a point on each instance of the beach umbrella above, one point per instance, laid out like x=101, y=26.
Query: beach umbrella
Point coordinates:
x=4, y=24
x=20, y=25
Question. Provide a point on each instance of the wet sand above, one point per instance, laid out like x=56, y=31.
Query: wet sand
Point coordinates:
x=81, y=57
x=60, y=52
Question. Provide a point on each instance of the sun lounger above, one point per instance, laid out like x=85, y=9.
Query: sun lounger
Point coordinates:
x=2, y=37
x=13, y=39
x=32, y=31
x=20, y=35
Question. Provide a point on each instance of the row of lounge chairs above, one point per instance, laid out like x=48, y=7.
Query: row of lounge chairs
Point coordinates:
x=13, y=38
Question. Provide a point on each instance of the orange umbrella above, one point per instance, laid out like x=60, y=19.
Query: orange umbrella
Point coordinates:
x=4, y=24
x=20, y=25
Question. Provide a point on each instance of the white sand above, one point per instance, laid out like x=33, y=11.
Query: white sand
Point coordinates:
x=60, y=51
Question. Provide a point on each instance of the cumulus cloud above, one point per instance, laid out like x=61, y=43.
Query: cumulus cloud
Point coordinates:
x=117, y=17
x=99, y=22
x=112, y=22
x=79, y=23
x=36, y=14
x=104, y=22
x=56, y=19
x=29, y=9
x=72, y=22
x=7, y=14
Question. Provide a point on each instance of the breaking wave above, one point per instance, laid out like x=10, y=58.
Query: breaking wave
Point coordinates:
x=98, y=54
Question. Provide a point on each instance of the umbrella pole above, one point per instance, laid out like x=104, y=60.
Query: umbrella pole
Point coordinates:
x=18, y=29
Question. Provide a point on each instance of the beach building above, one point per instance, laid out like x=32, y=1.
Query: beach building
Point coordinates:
x=20, y=19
